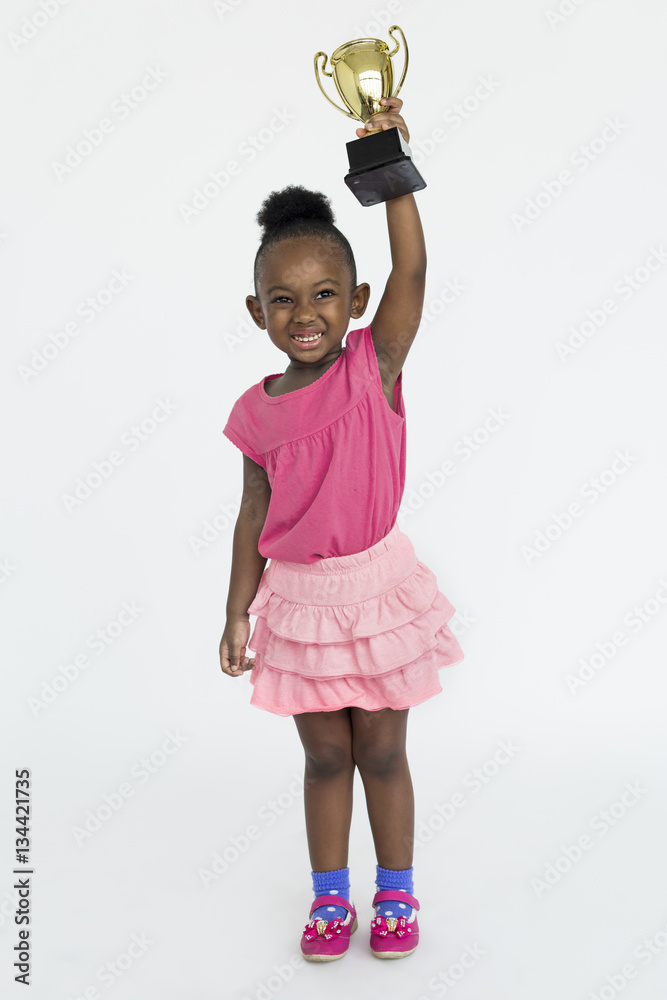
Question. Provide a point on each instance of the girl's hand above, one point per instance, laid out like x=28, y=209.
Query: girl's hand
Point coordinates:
x=233, y=646
x=387, y=119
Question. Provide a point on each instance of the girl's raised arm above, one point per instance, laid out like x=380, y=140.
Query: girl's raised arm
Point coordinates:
x=395, y=324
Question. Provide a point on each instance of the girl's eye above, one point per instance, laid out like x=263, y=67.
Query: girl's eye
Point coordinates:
x=323, y=291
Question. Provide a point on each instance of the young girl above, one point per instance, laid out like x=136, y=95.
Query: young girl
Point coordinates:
x=351, y=626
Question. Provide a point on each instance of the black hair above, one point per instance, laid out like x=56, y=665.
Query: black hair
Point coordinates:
x=295, y=211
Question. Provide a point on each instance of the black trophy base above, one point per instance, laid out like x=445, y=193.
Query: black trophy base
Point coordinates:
x=381, y=167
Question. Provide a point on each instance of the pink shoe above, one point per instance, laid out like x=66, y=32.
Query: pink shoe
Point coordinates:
x=394, y=937
x=326, y=940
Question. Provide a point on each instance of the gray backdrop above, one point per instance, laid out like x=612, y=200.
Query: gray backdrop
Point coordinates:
x=168, y=840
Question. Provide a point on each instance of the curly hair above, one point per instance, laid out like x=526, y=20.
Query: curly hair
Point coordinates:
x=295, y=211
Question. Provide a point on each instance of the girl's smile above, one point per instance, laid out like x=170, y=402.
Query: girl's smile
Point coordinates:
x=307, y=339
x=305, y=301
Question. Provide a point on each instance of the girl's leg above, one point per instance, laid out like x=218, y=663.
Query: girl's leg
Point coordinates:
x=378, y=749
x=328, y=784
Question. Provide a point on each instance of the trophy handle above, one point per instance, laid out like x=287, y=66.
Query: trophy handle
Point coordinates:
x=393, y=28
x=317, y=75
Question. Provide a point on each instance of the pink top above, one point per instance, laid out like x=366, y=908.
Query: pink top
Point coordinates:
x=334, y=453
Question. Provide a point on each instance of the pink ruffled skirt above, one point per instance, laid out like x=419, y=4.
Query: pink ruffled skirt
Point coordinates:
x=368, y=629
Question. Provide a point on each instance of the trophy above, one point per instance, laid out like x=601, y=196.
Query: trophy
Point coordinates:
x=381, y=167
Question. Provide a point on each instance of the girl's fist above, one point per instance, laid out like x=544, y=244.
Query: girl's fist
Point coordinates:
x=387, y=119
x=233, y=647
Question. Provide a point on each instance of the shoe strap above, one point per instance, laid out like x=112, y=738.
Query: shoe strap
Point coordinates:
x=398, y=896
x=332, y=900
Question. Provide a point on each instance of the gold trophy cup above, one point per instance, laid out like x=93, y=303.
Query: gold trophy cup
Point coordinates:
x=381, y=166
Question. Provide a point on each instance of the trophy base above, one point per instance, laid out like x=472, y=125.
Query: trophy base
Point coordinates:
x=381, y=167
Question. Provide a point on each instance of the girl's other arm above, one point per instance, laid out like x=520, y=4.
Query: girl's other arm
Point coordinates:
x=247, y=568
x=398, y=315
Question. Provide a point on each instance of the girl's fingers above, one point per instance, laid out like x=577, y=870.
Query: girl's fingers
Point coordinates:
x=383, y=120
x=228, y=655
x=386, y=118
x=392, y=102
x=377, y=121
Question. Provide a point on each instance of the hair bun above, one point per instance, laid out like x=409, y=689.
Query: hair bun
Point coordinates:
x=292, y=203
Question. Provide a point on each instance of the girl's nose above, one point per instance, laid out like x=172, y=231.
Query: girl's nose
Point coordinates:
x=303, y=312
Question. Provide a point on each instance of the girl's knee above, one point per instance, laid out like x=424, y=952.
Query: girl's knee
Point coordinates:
x=327, y=760
x=379, y=761
x=378, y=741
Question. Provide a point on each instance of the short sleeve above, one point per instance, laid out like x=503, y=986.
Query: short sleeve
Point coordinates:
x=236, y=430
x=245, y=448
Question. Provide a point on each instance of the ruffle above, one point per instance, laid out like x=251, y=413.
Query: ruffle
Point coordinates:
x=368, y=629
x=359, y=619
x=380, y=652
x=288, y=694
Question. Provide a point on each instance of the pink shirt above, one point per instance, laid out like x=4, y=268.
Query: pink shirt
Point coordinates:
x=334, y=453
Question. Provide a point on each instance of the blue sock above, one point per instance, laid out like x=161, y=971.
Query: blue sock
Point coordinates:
x=334, y=883
x=398, y=882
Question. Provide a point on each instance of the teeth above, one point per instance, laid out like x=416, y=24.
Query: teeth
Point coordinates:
x=306, y=340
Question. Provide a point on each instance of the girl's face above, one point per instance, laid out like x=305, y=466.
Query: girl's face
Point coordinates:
x=305, y=290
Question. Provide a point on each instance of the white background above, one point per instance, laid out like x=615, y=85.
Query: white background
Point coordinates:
x=178, y=332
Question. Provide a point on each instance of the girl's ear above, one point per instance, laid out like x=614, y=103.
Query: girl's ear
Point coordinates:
x=255, y=310
x=360, y=297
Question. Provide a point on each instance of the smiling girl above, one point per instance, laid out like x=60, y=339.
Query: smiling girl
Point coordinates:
x=351, y=626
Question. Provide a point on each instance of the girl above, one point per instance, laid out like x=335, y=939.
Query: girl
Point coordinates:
x=351, y=626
